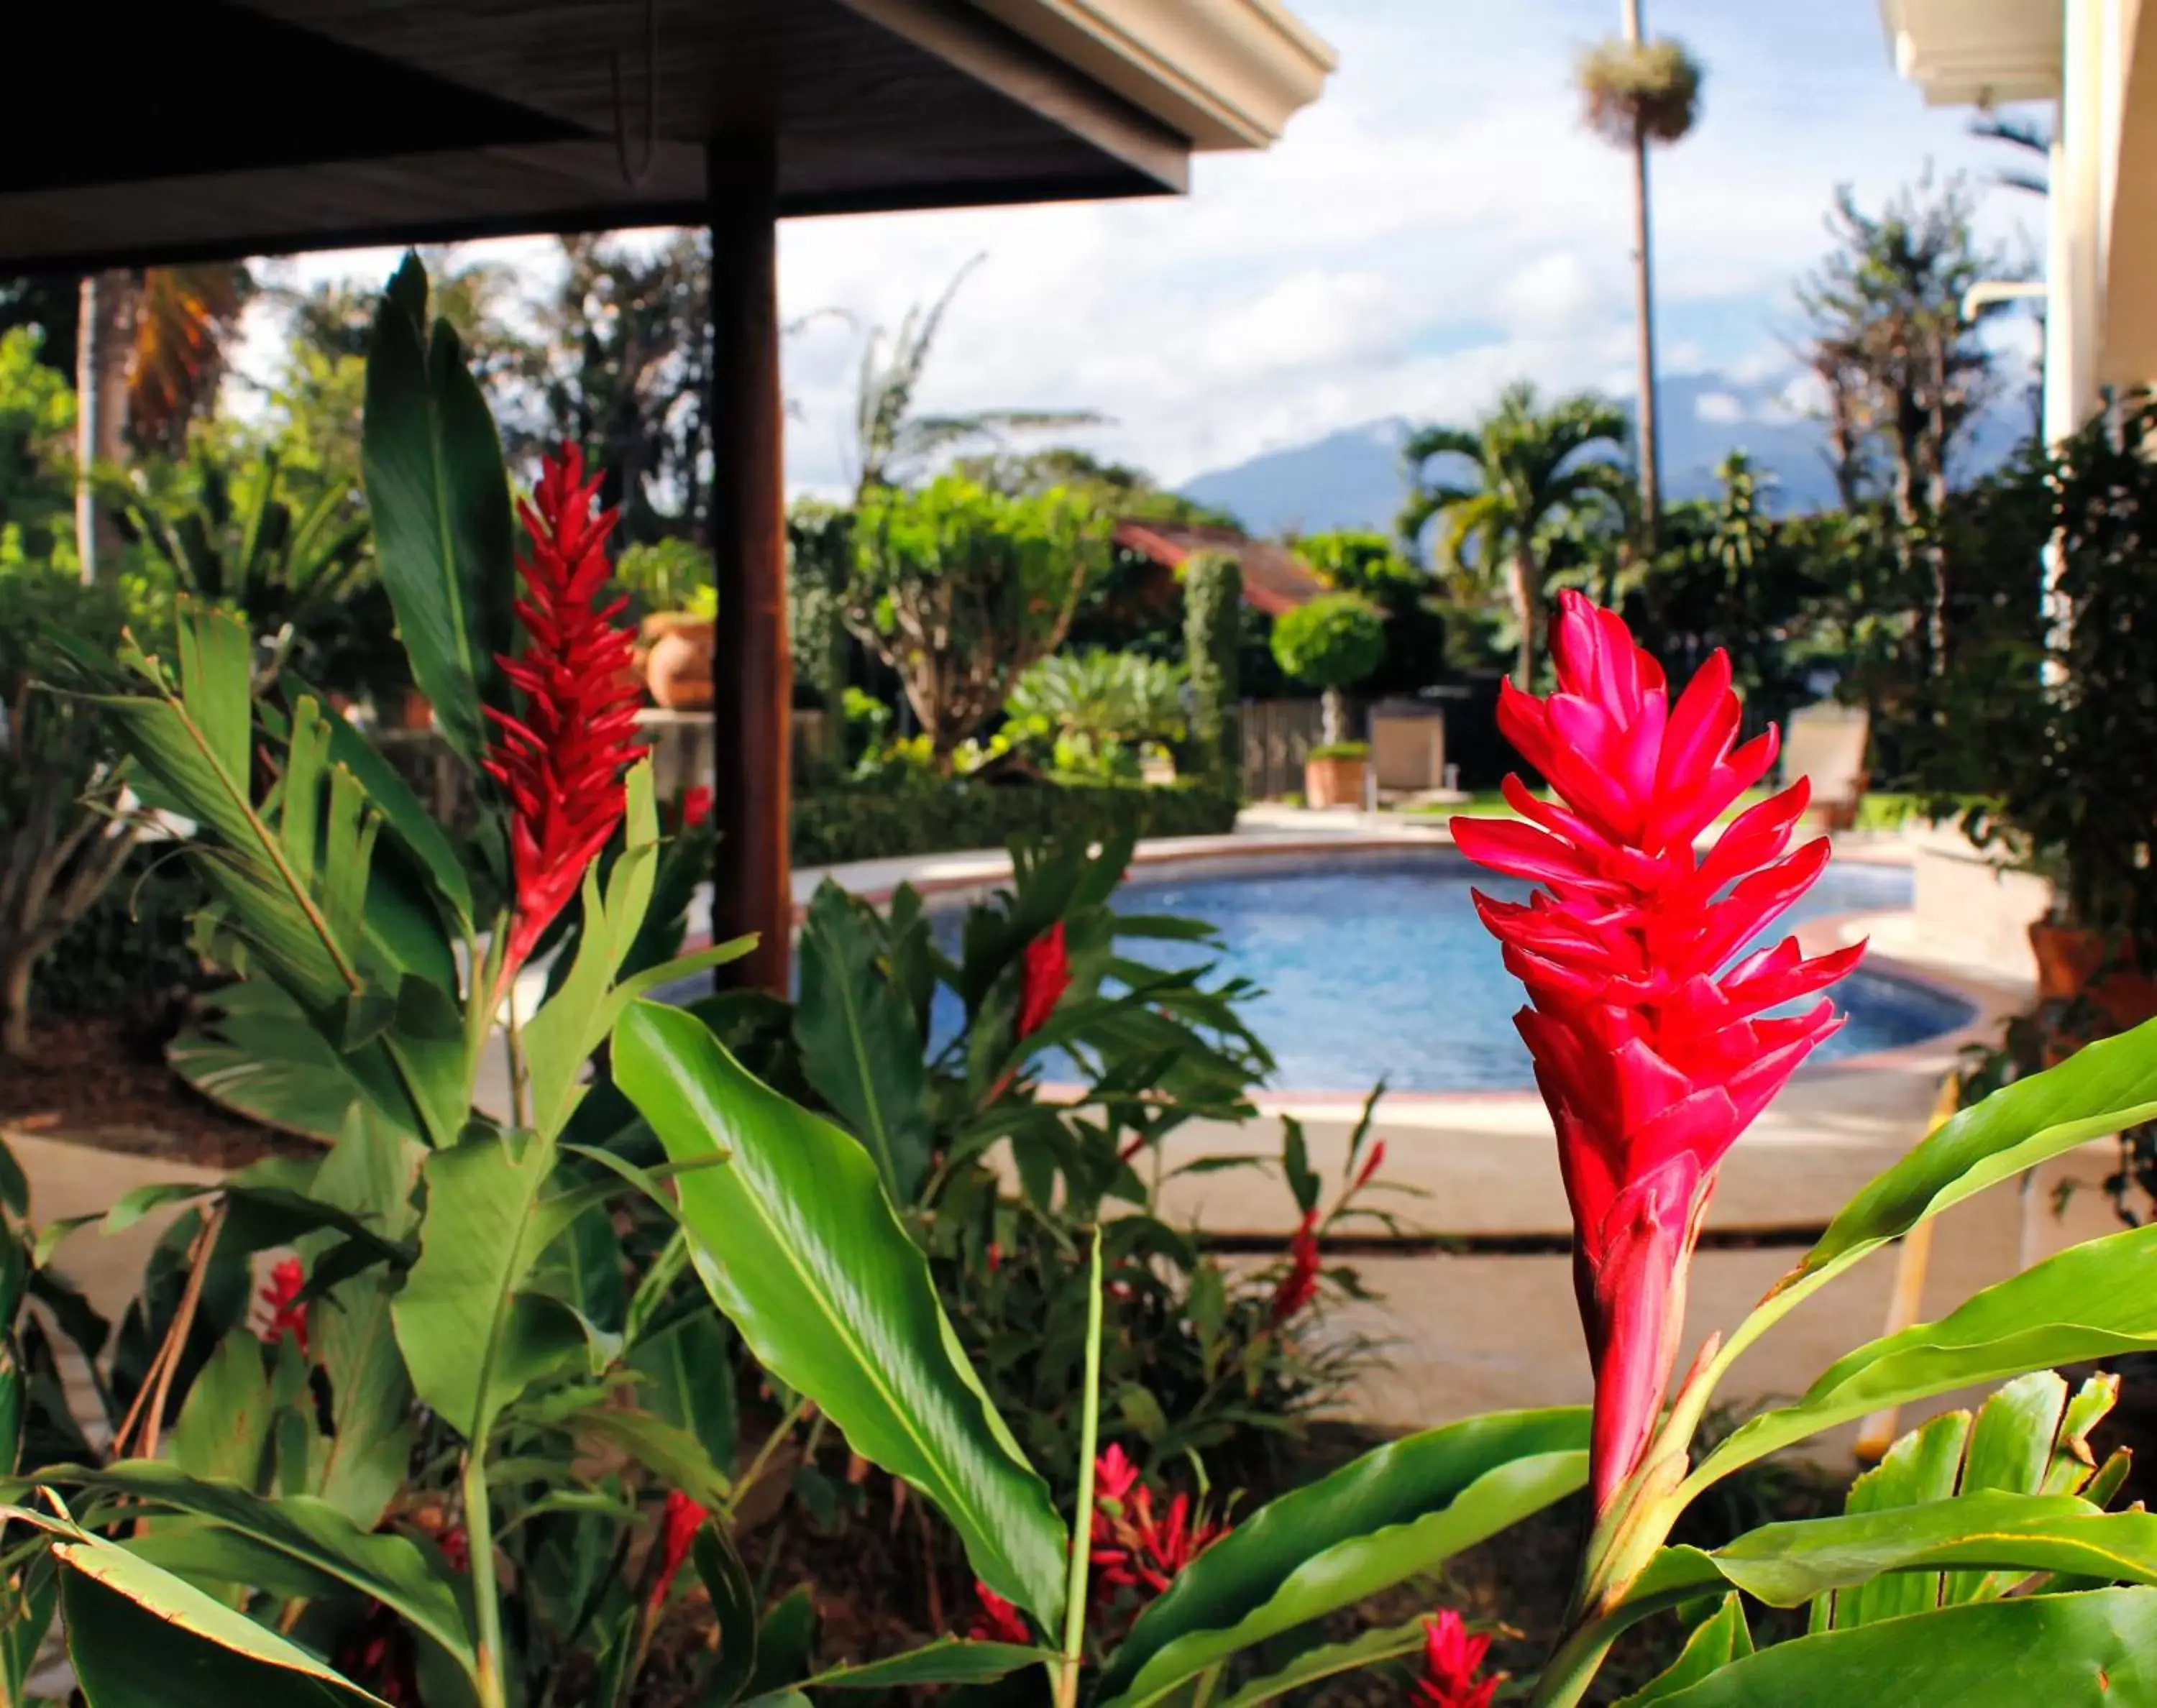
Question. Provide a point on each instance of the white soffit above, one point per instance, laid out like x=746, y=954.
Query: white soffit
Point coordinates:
x=1966, y=53
x=1225, y=74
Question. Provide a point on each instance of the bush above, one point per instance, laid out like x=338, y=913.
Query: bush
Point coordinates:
x=1212, y=634
x=1098, y=709
x=1341, y=750
x=926, y=814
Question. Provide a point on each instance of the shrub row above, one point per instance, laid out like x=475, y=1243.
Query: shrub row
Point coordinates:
x=934, y=816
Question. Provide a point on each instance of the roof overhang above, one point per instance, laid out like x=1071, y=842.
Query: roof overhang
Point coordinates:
x=233, y=127
x=1964, y=53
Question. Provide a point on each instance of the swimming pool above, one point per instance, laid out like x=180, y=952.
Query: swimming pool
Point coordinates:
x=1376, y=966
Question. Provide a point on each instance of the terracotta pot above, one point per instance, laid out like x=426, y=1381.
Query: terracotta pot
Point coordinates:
x=678, y=667
x=2073, y=961
x=1336, y=782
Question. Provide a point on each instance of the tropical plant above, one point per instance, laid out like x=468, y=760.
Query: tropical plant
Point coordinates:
x=1636, y=94
x=1332, y=643
x=1098, y=709
x=1212, y=638
x=892, y=442
x=1530, y=470
x=65, y=830
x=666, y=576
x=958, y=589
x=243, y=539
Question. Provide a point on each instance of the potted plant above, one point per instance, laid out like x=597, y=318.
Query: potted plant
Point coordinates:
x=2049, y=733
x=669, y=582
x=1332, y=643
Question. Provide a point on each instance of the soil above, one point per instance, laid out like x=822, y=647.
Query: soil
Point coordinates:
x=104, y=1081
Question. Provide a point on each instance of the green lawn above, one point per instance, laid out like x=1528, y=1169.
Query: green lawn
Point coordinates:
x=1875, y=812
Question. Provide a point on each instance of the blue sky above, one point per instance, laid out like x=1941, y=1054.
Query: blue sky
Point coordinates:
x=1438, y=223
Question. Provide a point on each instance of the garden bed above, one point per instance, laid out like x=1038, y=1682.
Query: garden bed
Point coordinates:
x=831, y=826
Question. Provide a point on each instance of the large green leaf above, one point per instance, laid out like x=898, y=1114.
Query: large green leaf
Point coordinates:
x=1399, y=1510
x=2095, y=1300
x=2098, y=1650
x=224, y=1429
x=438, y=494
x=799, y=1245
x=307, y=1543
x=950, y=1660
x=473, y=1339
x=1330, y=1661
x=140, y=1637
x=860, y=1046
x=259, y=1055
x=1714, y=1643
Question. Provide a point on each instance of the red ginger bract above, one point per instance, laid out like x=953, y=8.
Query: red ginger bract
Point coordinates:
x=1651, y=1058
x=562, y=763
x=1452, y=1662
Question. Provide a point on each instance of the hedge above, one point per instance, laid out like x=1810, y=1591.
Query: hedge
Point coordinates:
x=930, y=816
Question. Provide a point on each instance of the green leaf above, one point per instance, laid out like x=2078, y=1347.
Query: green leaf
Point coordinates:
x=314, y=1537
x=2098, y=1650
x=472, y=1340
x=948, y=1660
x=2095, y=1300
x=726, y=1581
x=786, y=1646
x=686, y=1376
x=1330, y=1661
x=1400, y=1511
x=224, y=1430
x=2102, y=1088
x=439, y=497
x=800, y=1247
x=140, y=1637
x=1714, y=1643
x=860, y=1046
x=1922, y=1467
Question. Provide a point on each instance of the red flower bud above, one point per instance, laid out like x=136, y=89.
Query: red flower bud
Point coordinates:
x=998, y=1620
x=678, y=1525
x=1044, y=975
x=1652, y=1057
x=1451, y=1658
x=279, y=1298
x=1296, y=1288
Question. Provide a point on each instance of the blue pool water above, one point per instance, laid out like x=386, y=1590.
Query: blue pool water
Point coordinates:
x=1377, y=966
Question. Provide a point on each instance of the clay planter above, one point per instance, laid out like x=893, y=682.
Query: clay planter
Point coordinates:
x=2072, y=961
x=1333, y=782
x=677, y=666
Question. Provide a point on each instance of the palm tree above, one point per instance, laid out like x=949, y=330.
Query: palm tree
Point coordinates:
x=1532, y=470
x=888, y=437
x=1637, y=93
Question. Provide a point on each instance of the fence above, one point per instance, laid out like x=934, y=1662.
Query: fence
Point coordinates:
x=1278, y=736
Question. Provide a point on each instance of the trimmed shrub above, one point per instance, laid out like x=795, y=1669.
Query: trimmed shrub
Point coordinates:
x=1212, y=637
x=936, y=815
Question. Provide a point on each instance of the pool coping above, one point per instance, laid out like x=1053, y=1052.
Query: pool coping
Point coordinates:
x=985, y=871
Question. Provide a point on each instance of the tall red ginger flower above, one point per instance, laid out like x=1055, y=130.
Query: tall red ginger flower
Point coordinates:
x=1044, y=975
x=1451, y=1659
x=1134, y=1547
x=998, y=1621
x=1296, y=1288
x=281, y=1300
x=1651, y=1058
x=562, y=763
x=678, y=1525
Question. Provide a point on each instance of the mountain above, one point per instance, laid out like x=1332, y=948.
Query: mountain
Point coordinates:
x=1351, y=478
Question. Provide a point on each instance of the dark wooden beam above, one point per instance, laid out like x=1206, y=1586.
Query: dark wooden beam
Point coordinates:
x=752, y=668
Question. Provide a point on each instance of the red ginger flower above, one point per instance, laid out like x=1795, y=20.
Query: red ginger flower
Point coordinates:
x=1296, y=1289
x=281, y=1300
x=1651, y=1058
x=678, y=1525
x=998, y=1620
x=1133, y=1545
x=1451, y=1658
x=1044, y=975
x=562, y=763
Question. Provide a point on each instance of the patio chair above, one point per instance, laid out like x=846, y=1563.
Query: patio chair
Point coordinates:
x=1825, y=744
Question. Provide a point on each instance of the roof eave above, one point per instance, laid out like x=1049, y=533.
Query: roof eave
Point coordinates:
x=1976, y=53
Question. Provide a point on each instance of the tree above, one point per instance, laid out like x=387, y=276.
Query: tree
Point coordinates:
x=1637, y=93
x=891, y=442
x=958, y=589
x=1332, y=643
x=1374, y=565
x=1532, y=468
x=1904, y=372
x=1212, y=646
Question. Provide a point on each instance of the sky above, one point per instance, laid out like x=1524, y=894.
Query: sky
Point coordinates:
x=1438, y=223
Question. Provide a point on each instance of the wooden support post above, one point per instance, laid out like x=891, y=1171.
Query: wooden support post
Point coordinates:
x=752, y=669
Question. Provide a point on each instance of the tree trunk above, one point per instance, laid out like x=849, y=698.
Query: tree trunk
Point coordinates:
x=15, y=1004
x=1332, y=719
x=1651, y=473
x=100, y=387
x=1521, y=585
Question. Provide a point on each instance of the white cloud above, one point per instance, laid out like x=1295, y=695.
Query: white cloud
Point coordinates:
x=1444, y=181
x=1724, y=409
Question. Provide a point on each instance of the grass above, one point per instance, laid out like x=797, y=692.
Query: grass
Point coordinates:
x=1489, y=803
